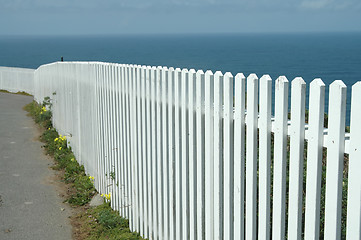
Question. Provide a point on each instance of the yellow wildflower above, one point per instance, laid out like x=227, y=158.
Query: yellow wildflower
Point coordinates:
x=60, y=148
x=72, y=159
x=56, y=139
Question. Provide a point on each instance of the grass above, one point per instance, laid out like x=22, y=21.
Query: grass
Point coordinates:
x=104, y=223
x=100, y=222
x=19, y=92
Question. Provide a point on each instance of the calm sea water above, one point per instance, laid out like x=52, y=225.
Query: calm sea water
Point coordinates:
x=329, y=56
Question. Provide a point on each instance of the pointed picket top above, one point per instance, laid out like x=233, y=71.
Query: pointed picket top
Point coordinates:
x=265, y=78
x=185, y=70
x=192, y=71
x=337, y=84
x=218, y=74
x=208, y=75
x=239, y=76
x=200, y=72
x=317, y=82
x=298, y=81
x=228, y=74
x=281, y=80
x=252, y=77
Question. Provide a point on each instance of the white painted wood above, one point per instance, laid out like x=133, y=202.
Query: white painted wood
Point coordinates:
x=154, y=162
x=137, y=144
x=297, y=138
x=192, y=209
x=159, y=159
x=132, y=173
x=149, y=153
x=145, y=122
x=251, y=156
x=265, y=112
x=141, y=148
x=335, y=157
x=171, y=152
x=228, y=151
x=218, y=156
x=209, y=172
x=354, y=180
x=200, y=137
x=314, y=159
x=239, y=155
x=185, y=154
x=280, y=154
x=178, y=153
x=165, y=131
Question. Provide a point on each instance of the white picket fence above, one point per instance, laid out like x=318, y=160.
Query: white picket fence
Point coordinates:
x=17, y=79
x=188, y=155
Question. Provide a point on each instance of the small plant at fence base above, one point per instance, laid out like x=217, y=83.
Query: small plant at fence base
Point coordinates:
x=105, y=222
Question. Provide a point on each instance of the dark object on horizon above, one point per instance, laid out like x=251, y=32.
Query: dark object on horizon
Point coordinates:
x=62, y=59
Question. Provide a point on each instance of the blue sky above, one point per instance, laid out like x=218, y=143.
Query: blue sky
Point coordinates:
x=59, y=17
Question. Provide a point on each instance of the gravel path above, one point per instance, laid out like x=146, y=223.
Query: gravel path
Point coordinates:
x=30, y=205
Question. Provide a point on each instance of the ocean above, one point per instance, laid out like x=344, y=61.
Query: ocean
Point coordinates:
x=329, y=56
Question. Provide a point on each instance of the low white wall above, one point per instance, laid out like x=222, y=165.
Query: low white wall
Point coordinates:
x=17, y=79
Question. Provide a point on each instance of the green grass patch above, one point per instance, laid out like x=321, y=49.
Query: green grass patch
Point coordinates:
x=101, y=222
x=19, y=92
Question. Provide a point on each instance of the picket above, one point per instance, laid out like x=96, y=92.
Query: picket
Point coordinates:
x=228, y=151
x=297, y=138
x=218, y=157
x=184, y=159
x=265, y=112
x=239, y=155
x=314, y=159
x=200, y=145
x=354, y=180
x=334, y=167
x=280, y=154
x=208, y=115
x=192, y=209
x=251, y=156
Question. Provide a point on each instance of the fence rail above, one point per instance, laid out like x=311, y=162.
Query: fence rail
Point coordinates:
x=194, y=155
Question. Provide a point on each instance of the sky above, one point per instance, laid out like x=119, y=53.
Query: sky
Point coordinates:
x=84, y=17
